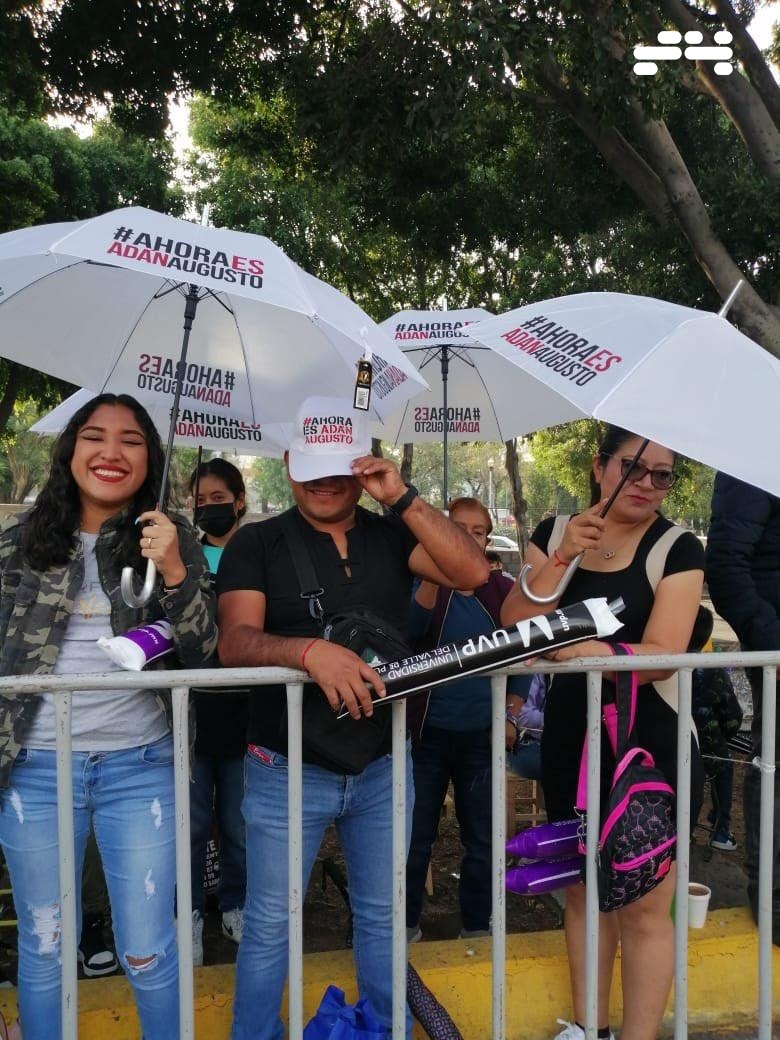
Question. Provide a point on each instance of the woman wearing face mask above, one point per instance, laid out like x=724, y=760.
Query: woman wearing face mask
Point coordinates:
x=221, y=721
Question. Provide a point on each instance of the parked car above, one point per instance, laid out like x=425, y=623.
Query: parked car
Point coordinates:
x=501, y=543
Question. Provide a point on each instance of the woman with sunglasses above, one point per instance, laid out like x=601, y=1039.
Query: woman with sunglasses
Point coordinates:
x=662, y=591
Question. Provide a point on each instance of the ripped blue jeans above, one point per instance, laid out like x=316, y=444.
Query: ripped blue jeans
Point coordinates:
x=127, y=797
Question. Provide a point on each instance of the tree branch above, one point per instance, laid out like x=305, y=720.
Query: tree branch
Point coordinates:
x=753, y=314
x=619, y=155
x=756, y=67
x=738, y=98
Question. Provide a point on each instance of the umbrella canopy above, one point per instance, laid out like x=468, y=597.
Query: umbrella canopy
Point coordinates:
x=684, y=378
x=99, y=303
x=195, y=428
x=479, y=406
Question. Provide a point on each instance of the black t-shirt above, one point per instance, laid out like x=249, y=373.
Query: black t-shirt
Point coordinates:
x=258, y=558
x=630, y=582
x=566, y=705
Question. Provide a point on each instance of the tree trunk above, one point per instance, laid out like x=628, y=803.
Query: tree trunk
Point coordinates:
x=752, y=313
x=10, y=393
x=519, y=504
x=407, y=463
x=376, y=447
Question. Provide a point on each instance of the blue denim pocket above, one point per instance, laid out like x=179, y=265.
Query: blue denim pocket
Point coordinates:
x=158, y=753
x=263, y=756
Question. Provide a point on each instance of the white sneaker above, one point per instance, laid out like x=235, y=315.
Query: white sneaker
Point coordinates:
x=572, y=1031
x=197, y=939
x=233, y=924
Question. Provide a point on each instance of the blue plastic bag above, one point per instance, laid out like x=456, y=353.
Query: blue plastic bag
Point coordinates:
x=337, y=1020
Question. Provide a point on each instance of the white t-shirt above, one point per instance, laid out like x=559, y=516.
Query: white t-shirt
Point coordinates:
x=103, y=720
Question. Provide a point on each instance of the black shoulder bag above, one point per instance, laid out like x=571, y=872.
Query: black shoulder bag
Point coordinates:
x=345, y=745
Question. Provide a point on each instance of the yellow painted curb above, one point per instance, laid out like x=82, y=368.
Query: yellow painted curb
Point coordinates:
x=722, y=985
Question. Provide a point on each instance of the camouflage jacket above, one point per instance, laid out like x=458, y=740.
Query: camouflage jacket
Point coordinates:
x=35, y=607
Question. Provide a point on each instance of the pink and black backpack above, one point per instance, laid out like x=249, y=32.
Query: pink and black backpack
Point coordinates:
x=638, y=832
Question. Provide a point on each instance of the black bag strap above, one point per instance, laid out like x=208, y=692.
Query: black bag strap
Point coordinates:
x=311, y=590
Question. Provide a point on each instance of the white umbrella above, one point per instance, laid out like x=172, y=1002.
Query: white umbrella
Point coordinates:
x=195, y=428
x=684, y=378
x=470, y=384
x=100, y=303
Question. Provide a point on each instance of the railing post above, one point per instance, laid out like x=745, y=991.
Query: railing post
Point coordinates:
x=399, y=869
x=295, y=857
x=68, y=939
x=591, y=853
x=498, y=826
x=766, y=849
x=181, y=790
x=683, y=854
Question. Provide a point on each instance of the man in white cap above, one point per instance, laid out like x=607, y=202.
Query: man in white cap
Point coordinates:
x=362, y=560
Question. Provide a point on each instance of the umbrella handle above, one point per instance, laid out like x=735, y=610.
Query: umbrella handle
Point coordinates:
x=566, y=577
x=127, y=585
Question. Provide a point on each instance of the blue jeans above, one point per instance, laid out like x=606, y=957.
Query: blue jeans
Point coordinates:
x=361, y=808
x=218, y=787
x=128, y=798
x=526, y=759
x=463, y=757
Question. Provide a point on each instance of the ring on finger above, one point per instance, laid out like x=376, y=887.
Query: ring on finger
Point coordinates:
x=149, y=543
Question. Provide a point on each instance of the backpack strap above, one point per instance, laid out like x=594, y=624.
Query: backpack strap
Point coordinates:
x=656, y=558
x=618, y=721
x=558, y=530
x=311, y=590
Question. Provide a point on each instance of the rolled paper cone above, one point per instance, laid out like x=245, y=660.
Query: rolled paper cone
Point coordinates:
x=546, y=841
x=140, y=646
x=544, y=876
x=590, y=619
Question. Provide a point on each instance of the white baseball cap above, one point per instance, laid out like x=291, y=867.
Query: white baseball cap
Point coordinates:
x=327, y=437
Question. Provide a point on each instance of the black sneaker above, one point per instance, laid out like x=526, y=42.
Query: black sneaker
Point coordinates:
x=95, y=954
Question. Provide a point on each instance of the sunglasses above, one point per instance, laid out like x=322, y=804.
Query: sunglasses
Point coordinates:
x=661, y=479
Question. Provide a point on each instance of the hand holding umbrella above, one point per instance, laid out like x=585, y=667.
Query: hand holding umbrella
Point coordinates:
x=160, y=545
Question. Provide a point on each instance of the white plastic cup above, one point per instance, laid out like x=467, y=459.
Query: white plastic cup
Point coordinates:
x=698, y=902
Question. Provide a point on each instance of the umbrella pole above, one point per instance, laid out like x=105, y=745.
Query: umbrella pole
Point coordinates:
x=189, y=316
x=127, y=584
x=196, y=489
x=445, y=371
x=568, y=574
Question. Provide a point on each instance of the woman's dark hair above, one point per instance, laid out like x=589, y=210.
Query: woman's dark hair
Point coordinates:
x=230, y=476
x=51, y=531
x=613, y=440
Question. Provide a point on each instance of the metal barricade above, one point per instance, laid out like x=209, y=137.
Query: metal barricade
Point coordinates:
x=180, y=681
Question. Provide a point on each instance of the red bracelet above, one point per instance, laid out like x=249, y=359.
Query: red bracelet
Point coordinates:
x=558, y=561
x=307, y=648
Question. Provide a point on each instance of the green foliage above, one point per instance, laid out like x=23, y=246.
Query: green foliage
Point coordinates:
x=25, y=457
x=269, y=482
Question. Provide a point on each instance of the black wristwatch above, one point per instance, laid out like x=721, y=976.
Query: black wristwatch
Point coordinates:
x=399, y=508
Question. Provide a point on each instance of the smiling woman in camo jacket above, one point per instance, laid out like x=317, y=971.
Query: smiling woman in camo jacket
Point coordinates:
x=60, y=566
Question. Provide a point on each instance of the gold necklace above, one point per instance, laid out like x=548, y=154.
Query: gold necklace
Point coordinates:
x=609, y=554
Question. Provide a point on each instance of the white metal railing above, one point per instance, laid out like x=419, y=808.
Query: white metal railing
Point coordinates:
x=180, y=681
